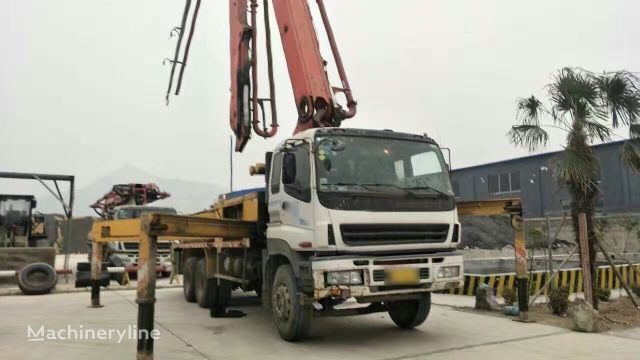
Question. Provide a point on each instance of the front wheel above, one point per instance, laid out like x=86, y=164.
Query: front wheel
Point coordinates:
x=292, y=317
x=408, y=314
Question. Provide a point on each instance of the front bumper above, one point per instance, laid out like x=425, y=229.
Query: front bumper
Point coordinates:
x=374, y=269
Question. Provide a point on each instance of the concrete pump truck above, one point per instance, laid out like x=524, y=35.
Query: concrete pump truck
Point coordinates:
x=350, y=221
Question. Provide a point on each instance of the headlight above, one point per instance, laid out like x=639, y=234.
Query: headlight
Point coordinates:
x=344, y=277
x=448, y=272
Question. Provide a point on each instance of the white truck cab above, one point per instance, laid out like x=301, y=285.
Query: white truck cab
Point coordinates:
x=363, y=214
x=350, y=222
x=125, y=253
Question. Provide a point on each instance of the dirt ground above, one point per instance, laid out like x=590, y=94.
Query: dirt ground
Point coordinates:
x=617, y=314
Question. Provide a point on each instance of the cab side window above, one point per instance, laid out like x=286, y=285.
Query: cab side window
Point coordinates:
x=275, y=173
x=301, y=187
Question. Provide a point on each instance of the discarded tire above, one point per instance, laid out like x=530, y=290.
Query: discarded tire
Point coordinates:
x=37, y=279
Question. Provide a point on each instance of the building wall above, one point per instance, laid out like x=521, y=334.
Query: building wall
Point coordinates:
x=539, y=189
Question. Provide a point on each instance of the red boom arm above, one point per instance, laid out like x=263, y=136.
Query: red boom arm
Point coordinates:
x=314, y=96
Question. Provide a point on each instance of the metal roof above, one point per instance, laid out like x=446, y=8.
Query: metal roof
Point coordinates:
x=541, y=155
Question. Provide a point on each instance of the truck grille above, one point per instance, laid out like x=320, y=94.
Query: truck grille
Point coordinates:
x=130, y=246
x=385, y=234
x=378, y=275
x=133, y=246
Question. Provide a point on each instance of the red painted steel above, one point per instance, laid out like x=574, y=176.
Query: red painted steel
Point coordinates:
x=313, y=94
x=241, y=34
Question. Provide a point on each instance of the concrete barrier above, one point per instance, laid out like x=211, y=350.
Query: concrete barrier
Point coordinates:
x=572, y=278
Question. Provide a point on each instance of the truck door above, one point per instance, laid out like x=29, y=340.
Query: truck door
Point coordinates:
x=290, y=205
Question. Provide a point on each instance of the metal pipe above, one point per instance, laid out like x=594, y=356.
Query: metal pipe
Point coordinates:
x=272, y=90
x=550, y=280
x=65, y=207
x=617, y=273
x=346, y=88
x=254, y=66
x=7, y=273
x=187, y=6
x=185, y=57
x=72, y=188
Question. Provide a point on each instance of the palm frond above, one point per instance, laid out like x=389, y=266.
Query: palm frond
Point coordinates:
x=573, y=91
x=630, y=154
x=530, y=110
x=597, y=130
x=620, y=95
x=634, y=131
x=579, y=169
x=531, y=137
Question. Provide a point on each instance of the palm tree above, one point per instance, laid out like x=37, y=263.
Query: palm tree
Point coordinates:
x=587, y=106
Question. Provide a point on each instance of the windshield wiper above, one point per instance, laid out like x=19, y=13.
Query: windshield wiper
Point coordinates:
x=347, y=184
x=427, y=187
x=367, y=185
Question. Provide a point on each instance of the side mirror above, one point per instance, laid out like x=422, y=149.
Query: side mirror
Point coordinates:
x=288, y=168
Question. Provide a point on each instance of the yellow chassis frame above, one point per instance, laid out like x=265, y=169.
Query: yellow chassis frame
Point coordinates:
x=209, y=230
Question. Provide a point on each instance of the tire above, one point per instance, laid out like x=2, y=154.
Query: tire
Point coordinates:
x=205, y=289
x=408, y=314
x=188, y=279
x=83, y=266
x=166, y=274
x=37, y=279
x=292, y=318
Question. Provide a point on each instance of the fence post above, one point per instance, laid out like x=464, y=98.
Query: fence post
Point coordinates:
x=96, y=273
x=521, y=266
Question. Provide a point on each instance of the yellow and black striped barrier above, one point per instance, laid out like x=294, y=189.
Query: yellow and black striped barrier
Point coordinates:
x=571, y=278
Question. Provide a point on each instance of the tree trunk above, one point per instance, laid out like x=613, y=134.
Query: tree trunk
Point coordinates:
x=581, y=203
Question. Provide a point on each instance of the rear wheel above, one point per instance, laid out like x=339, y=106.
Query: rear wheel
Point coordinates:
x=188, y=279
x=292, y=317
x=408, y=314
x=205, y=288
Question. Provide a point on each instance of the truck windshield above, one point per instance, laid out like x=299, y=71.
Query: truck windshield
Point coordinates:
x=379, y=165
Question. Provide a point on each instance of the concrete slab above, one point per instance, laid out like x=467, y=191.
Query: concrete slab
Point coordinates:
x=628, y=333
x=187, y=332
x=570, y=345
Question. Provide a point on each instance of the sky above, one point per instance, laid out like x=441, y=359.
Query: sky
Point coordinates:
x=82, y=83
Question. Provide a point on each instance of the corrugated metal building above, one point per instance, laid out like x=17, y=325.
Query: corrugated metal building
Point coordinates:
x=533, y=180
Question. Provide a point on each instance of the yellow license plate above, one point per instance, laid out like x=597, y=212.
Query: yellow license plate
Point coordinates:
x=403, y=276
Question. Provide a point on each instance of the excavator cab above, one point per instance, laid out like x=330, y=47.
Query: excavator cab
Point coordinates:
x=15, y=220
